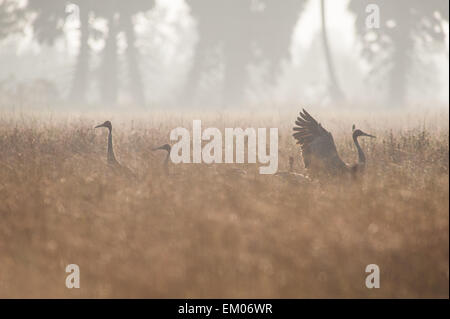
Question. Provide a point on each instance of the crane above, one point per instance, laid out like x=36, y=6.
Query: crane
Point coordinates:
x=319, y=151
x=168, y=148
x=111, y=158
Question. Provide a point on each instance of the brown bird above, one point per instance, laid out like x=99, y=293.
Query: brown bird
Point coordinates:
x=319, y=151
x=111, y=158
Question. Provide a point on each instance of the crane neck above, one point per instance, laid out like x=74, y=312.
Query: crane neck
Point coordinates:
x=166, y=162
x=111, y=157
x=361, y=156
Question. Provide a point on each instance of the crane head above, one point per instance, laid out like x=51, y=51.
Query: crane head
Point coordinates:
x=163, y=147
x=358, y=132
x=107, y=124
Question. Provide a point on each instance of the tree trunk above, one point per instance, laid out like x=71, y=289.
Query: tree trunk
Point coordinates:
x=108, y=73
x=80, y=79
x=398, y=79
x=401, y=60
x=235, y=77
x=135, y=79
x=194, y=74
x=335, y=90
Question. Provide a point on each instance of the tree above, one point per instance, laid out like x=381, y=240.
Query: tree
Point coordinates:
x=48, y=18
x=405, y=26
x=47, y=21
x=224, y=25
x=119, y=16
x=128, y=11
x=81, y=76
x=12, y=17
x=238, y=27
x=335, y=90
x=108, y=72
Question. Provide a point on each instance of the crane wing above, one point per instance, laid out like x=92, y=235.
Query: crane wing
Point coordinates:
x=317, y=144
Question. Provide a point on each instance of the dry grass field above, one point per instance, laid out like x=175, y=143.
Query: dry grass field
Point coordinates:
x=205, y=232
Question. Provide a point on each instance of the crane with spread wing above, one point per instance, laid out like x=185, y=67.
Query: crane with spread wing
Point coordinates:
x=319, y=150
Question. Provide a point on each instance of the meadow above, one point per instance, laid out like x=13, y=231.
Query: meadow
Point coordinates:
x=204, y=231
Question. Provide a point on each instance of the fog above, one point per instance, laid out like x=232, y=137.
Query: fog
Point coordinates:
x=172, y=148
x=217, y=54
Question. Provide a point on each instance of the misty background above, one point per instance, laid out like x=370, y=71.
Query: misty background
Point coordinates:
x=216, y=54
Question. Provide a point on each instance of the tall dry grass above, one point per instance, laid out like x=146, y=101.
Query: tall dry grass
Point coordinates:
x=203, y=232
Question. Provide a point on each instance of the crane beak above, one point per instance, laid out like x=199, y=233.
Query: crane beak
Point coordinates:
x=368, y=135
x=158, y=148
x=101, y=125
x=165, y=147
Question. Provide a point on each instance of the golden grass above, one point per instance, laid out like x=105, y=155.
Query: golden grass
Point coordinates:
x=206, y=233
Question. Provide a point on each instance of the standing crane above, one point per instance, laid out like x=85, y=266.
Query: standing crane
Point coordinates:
x=167, y=148
x=319, y=151
x=111, y=158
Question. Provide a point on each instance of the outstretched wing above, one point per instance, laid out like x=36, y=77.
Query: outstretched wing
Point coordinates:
x=317, y=144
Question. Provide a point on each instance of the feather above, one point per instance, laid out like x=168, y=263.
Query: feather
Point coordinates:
x=316, y=143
